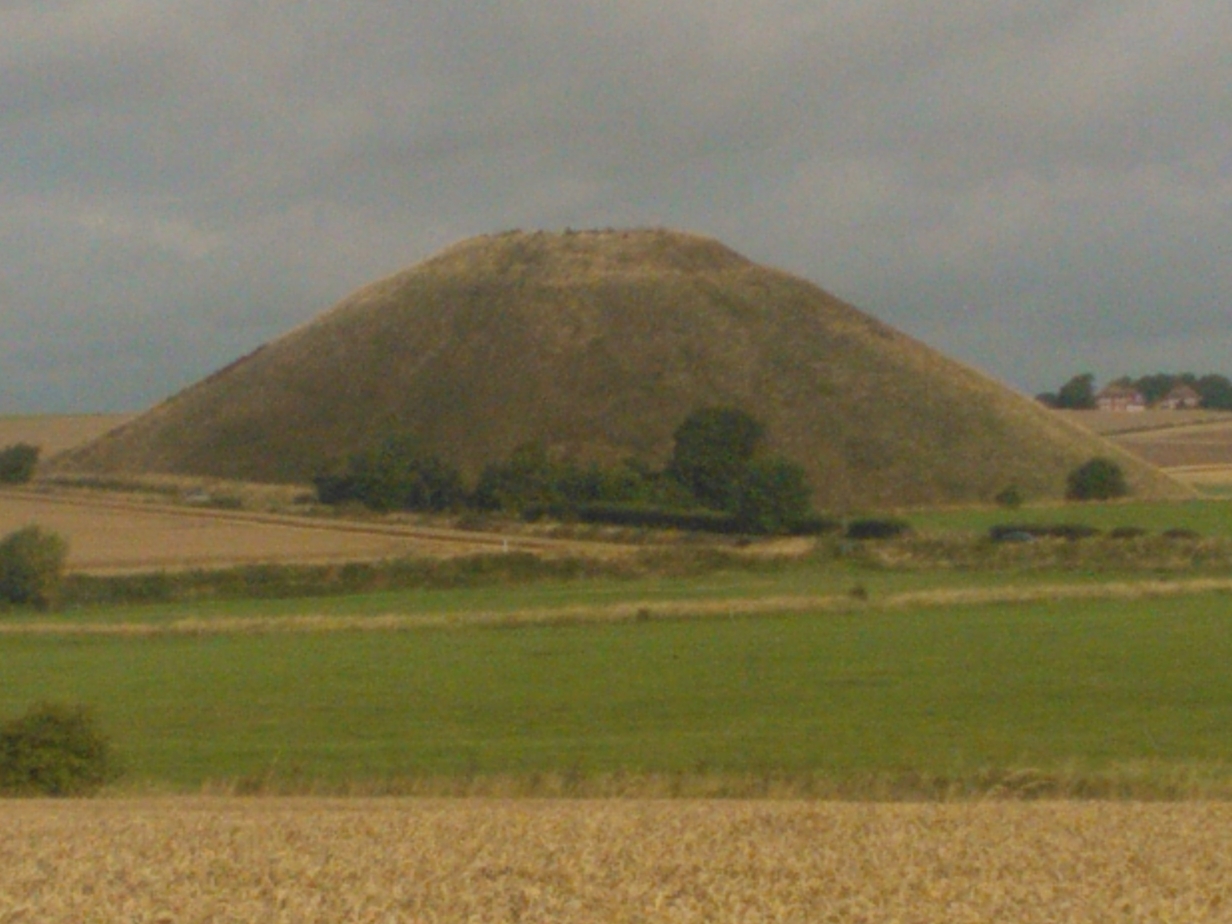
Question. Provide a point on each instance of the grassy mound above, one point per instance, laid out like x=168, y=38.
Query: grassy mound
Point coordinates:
x=598, y=344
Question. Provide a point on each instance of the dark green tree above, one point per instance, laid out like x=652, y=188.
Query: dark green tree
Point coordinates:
x=32, y=567
x=1216, y=392
x=1078, y=394
x=1098, y=479
x=1156, y=386
x=17, y=463
x=397, y=475
x=773, y=496
x=54, y=750
x=713, y=447
x=528, y=479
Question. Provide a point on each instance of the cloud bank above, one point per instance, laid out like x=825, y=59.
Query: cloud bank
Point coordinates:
x=1036, y=188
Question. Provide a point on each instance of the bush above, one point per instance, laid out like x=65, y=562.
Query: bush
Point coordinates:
x=1127, y=532
x=1099, y=479
x=1012, y=497
x=54, y=750
x=17, y=463
x=31, y=567
x=1019, y=532
x=1180, y=533
x=713, y=447
x=876, y=529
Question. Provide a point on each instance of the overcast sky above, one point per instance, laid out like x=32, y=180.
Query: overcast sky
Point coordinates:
x=1036, y=187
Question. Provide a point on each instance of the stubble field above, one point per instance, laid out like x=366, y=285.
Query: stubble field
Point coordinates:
x=1194, y=446
x=305, y=861
x=114, y=535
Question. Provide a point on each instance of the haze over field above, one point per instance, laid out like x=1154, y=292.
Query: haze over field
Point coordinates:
x=1035, y=188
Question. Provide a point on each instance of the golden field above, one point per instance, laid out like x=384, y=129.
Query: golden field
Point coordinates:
x=54, y=433
x=115, y=535
x=305, y=860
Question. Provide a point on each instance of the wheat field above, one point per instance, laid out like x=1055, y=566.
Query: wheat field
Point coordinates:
x=306, y=860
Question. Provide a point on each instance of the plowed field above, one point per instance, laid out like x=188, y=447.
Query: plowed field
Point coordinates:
x=613, y=861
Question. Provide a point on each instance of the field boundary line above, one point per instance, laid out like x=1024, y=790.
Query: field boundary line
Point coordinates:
x=633, y=611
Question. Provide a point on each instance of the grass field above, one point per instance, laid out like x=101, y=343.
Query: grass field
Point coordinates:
x=1208, y=516
x=316, y=861
x=1123, y=689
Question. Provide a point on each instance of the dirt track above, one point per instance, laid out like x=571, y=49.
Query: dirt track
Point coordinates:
x=304, y=861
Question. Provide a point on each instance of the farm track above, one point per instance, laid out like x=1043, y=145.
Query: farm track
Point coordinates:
x=116, y=535
x=599, y=861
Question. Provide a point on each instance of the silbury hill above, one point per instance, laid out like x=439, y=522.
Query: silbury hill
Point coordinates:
x=597, y=345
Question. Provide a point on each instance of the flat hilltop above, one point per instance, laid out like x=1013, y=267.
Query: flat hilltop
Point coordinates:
x=597, y=345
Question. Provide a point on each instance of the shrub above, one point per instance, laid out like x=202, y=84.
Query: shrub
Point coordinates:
x=1181, y=534
x=772, y=496
x=1127, y=532
x=1012, y=497
x=1019, y=532
x=713, y=447
x=876, y=529
x=31, y=567
x=1098, y=479
x=54, y=750
x=17, y=463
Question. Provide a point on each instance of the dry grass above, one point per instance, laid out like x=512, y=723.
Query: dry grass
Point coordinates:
x=1213, y=478
x=1111, y=423
x=1198, y=444
x=1170, y=439
x=54, y=433
x=598, y=345
x=226, y=860
x=115, y=535
x=630, y=611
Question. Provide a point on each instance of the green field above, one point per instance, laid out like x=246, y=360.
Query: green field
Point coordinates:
x=1084, y=687
x=1208, y=516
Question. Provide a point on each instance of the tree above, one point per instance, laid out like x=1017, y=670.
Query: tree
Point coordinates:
x=54, y=750
x=1098, y=479
x=1216, y=392
x=17, y=463
x=1078, y=394
x=32, y=567
x=1156, y=386
x=395, y=476
x=528, y=479
x=713, y=447
x=773, y=496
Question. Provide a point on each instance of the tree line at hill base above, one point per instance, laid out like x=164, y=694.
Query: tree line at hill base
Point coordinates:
x=718, y=479
x=1079, y=393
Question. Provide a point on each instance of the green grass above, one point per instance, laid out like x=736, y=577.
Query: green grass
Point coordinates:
x=1209, y=517
x=819, y=576
x=1092, y=685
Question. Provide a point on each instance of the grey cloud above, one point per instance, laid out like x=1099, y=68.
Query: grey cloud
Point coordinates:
x=983, y=176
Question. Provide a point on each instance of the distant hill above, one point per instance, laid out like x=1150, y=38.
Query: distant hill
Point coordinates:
x=599, y=344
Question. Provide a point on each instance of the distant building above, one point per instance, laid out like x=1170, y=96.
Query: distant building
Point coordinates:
x=1181, y=398
x=1120, y=398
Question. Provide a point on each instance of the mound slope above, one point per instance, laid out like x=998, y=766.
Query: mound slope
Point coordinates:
x=598, y=344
